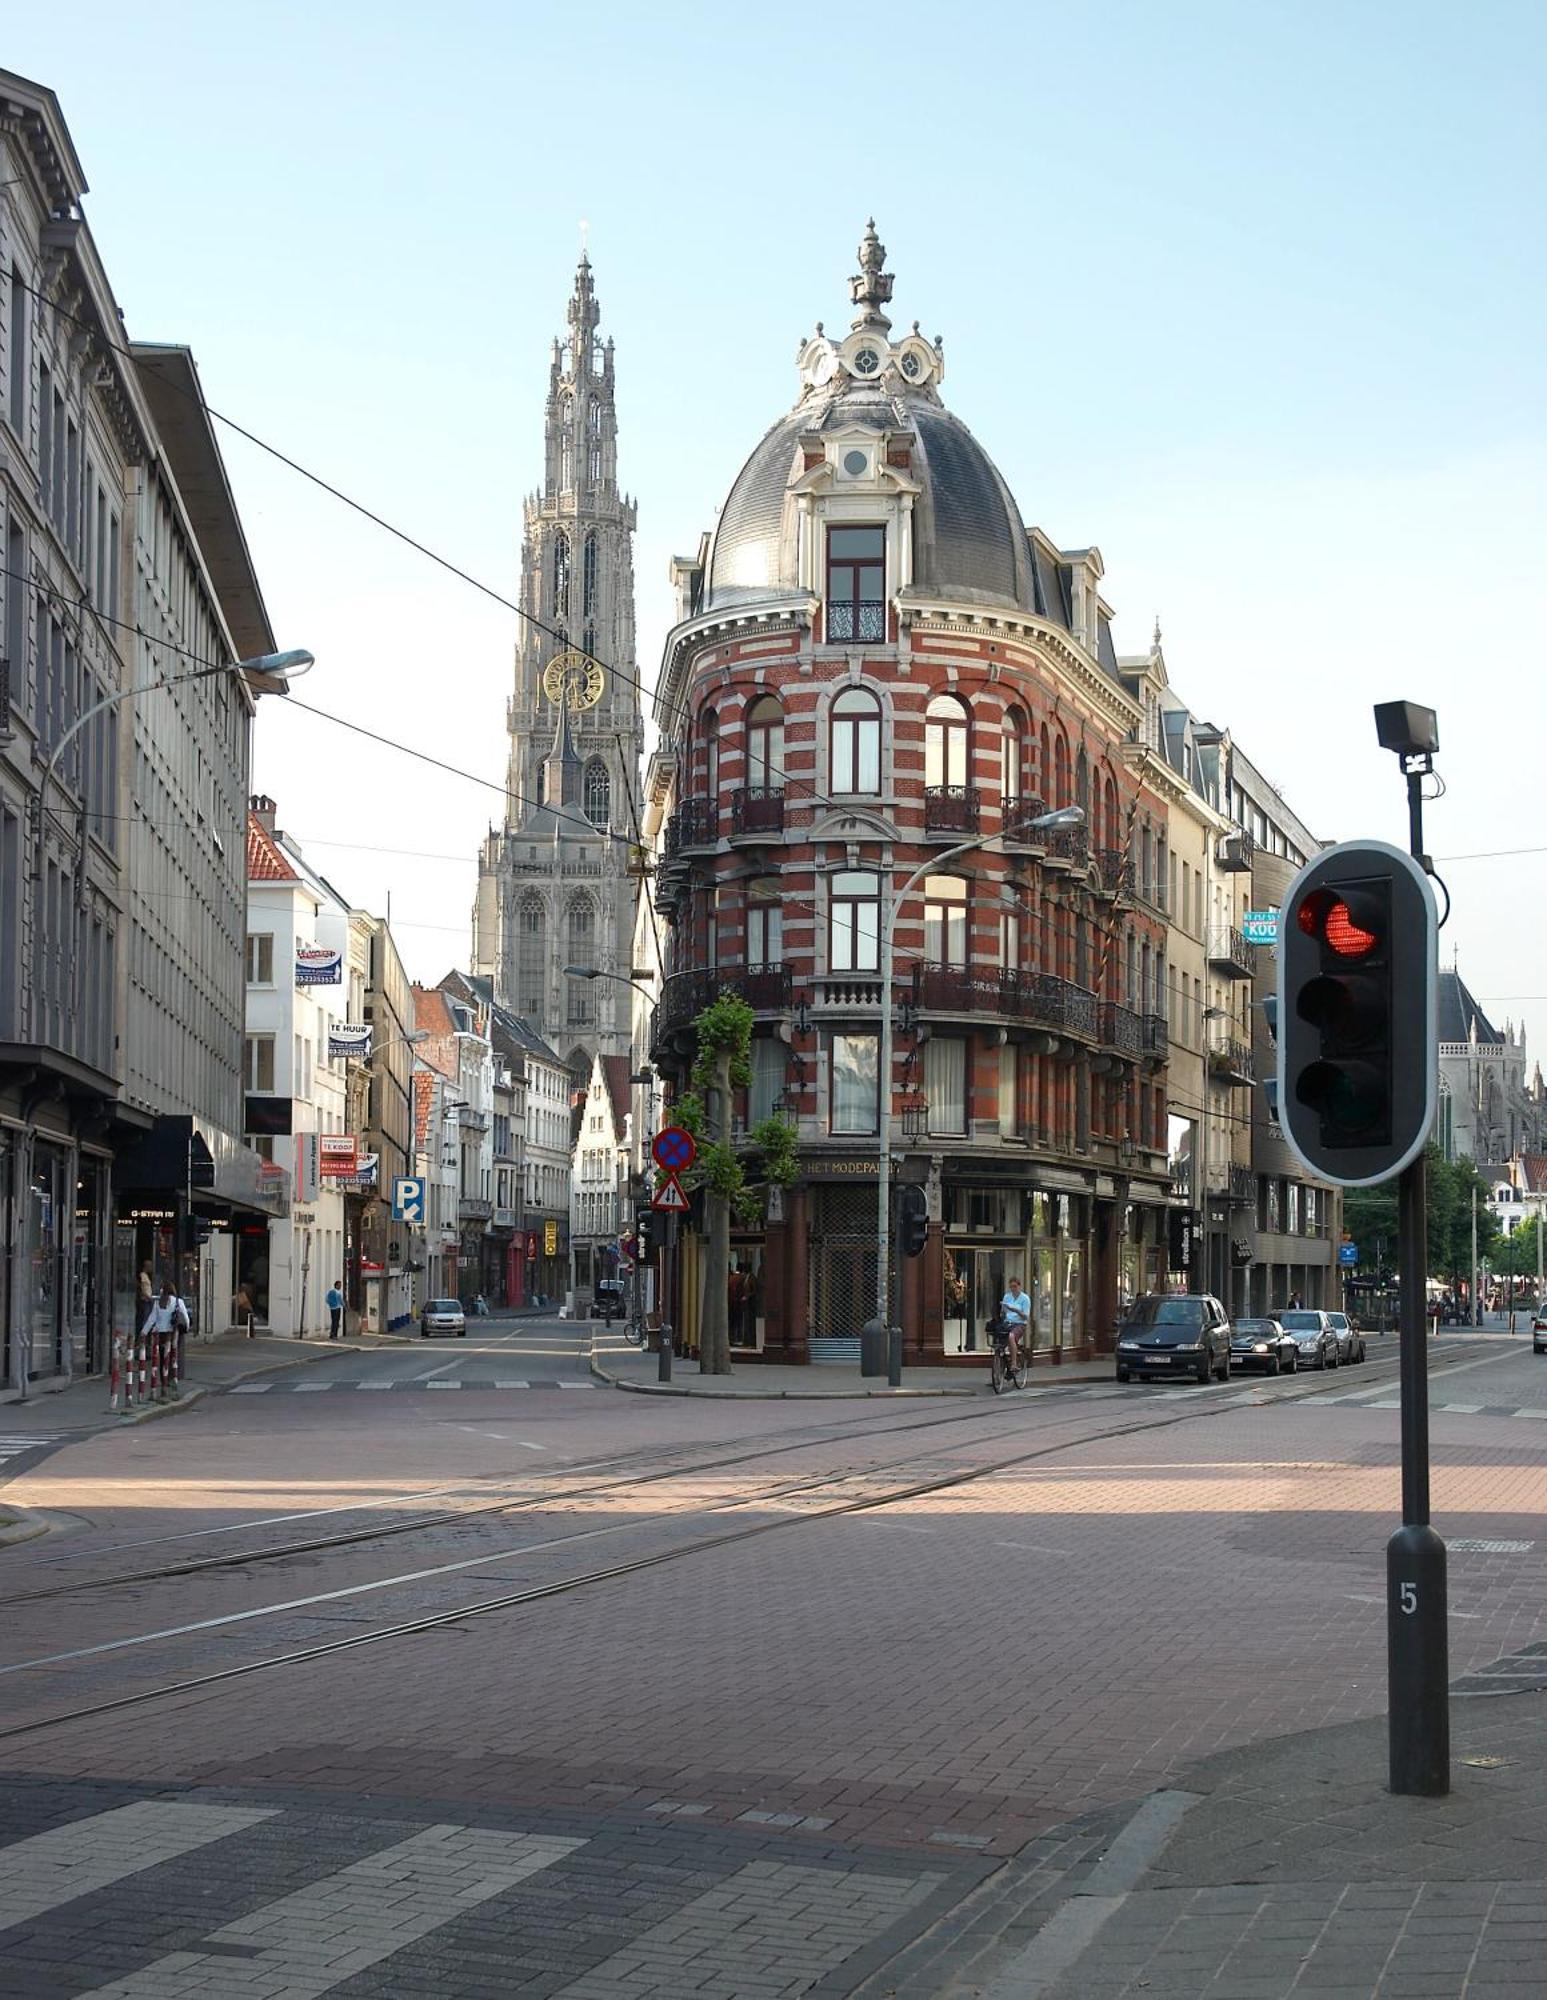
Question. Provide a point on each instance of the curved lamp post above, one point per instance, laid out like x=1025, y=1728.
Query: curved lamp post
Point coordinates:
x=890, y=905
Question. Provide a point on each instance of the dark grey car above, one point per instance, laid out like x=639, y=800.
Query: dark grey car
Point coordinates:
x=1264, y=1344
x=1313, y=1333
x=1172, y=1334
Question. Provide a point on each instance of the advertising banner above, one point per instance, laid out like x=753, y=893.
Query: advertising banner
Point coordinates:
x=349, y=1041
x=308, y=1167
x=338, y=1155
x=318, y=965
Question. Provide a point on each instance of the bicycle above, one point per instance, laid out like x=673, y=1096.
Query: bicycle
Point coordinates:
x=1000, y=1373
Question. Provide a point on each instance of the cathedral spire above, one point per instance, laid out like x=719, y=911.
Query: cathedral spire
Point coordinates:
x=562, y=787
x=872, y=288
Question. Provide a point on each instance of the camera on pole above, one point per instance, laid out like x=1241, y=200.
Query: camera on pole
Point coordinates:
x=1356, y=1013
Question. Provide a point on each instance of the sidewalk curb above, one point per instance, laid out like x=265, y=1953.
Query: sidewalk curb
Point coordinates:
x=1079, y=1919
x=978, y=1389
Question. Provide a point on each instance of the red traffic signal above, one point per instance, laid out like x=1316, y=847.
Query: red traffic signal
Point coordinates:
x=1356, y=1013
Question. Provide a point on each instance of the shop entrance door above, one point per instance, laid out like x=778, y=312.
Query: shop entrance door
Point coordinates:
x=975, y=1278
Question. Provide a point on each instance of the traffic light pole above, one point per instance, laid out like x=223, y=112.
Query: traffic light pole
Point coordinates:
x=1417, y=1658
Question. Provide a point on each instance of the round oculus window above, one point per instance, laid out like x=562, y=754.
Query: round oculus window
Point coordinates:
x=856, y=464
x=867, y=361
x=911, y=366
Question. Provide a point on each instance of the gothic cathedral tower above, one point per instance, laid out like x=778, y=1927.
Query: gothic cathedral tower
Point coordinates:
x=553, y=882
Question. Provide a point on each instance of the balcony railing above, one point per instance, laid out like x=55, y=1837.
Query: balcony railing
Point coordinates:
x=1113, y=872
x=473, y=1208
x=504, y=1218
x=952, y=809
x=1016, y=817
x=695, y=823
x=757, y=809
x=1241, y=1186
x=1230, y=953
x=1066, y=846
x=859, y=621
x=1236, y=851
x=852, y=989
x=685, y=995
x=1232, y=1060
x=1119, y=1028
x=1033, y=997
x=1157, y=1038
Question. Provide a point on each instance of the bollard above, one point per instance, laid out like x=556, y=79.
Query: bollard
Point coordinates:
x=115, y=1377
x=663, y=1371
x=894, y=1357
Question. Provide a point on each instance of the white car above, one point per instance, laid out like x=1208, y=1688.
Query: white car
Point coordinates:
x=1539, y=1329
x=442, y=1316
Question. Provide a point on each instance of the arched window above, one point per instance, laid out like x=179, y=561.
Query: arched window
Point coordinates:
x=856, y=742
x=709, y=732
x=1060, y=771
x=561, y=574
x=589, y=641
x=1114, y=836
x=566, y=443
x=594, y=464
x=598, y=793
x=1012, y=751
x=1082, y=783
x=530, y=955
x=765, y=743
x=945, y=920
x=854, y=934
x=580, y=944
x=945, y=742
x=1146, y=990
x=588, y=576
x=594, y=417
x=1044, y=782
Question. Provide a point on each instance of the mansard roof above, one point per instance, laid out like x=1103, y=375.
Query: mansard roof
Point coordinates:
x=1459, y=1013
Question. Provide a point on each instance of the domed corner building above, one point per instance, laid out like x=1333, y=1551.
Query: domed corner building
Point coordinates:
x=877, y=665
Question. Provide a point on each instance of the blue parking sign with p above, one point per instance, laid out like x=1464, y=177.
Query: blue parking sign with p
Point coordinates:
x=408, y=1198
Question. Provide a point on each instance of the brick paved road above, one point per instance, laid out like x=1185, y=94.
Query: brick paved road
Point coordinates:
x=758, y=1769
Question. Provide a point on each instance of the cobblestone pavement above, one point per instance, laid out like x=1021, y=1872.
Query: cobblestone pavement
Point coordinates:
x=797, y=1763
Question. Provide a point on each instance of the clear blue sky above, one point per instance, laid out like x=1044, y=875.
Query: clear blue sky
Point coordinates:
x=1249, y=295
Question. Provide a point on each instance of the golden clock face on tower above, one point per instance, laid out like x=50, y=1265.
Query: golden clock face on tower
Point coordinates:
x=575, y=678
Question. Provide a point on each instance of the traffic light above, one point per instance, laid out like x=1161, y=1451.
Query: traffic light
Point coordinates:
x=914, y=1218
x=1357, y=1052
x=642, y=1220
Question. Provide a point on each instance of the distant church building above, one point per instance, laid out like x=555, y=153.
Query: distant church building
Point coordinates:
x=1488, y=1112
x=553, y=882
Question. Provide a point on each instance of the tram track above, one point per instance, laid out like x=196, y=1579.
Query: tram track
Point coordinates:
x=867, y=1501
x=526, y=1501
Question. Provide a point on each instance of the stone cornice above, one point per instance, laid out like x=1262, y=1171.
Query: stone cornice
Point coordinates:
x=928, y=614
x=682, y=641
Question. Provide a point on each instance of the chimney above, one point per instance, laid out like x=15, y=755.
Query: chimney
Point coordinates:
x=263, y=810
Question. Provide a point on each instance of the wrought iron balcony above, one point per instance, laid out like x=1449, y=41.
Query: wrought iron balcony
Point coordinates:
x=1236, y=851
x=1035, y=998
x=1240, y=1186
x=1016, y=815
x=1157, y=1038
x=1233, y=1061
x=953, y=809
x=473, y=1208
x=1119, y=1028
x=860, y=621
x=695, y=823
x=1230, y=953
x=1066, y=847
x=765, y=988
x=755, y=810
x=1113, y=872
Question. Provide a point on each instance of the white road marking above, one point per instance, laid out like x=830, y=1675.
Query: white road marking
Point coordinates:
x=302, y=1388
x=443, y=1385
x=1035, y=1548
x=250, y=1388
x=512, y=1385
x=89, y=1855
x=530, y=1446
x=326, y=1933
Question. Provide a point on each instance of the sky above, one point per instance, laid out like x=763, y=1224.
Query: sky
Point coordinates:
x=1251, y=296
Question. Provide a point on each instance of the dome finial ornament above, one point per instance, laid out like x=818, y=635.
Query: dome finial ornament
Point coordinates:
x=872, y=288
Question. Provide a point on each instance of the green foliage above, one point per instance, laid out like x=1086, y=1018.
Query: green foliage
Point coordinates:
x=775, y=1140
x=724, y=1027
x=1370, y=1217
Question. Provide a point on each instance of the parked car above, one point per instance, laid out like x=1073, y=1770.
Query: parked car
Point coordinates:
x=1314, y=1337
x=1350, y=1340
x=608, y=1301
x=1539, y=1329
x=442, y=1316
x=1185, y=1333
x=1264, y=1344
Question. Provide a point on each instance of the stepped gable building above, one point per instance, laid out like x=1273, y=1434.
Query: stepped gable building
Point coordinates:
x=876, y=664
x=553, y=881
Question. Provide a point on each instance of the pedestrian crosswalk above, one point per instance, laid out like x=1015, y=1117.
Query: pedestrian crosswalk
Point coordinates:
x=13, y=1447
x=288, y=1387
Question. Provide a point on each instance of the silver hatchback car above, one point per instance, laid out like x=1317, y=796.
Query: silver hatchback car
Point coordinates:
x=1350, y=1341
x=442, y=1316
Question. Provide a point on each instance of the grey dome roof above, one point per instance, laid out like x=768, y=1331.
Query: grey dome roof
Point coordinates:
x=969, y=537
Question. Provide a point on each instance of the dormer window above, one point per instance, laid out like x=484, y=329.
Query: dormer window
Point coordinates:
x=856, y=586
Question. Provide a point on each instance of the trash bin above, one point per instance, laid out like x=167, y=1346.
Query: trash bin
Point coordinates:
x=872, y=1347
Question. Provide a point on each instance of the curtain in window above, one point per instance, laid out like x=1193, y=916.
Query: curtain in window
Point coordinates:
x=855, y=1064
x=945, y=1084
x=767, y=1085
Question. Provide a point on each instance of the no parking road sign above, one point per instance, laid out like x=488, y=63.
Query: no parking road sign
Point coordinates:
x=673, y=1149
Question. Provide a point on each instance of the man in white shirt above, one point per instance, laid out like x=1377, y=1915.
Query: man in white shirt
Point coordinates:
x=168, y=1316
x=1015, y=1311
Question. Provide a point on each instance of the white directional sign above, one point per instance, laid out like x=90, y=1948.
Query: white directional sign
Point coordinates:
x=408, y=1198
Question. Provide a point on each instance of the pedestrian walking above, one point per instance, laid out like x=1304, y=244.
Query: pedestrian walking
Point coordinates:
x=335, y=1312
x=167, y=1320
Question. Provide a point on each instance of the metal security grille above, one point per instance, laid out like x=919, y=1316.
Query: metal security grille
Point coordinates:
x=842, y=1264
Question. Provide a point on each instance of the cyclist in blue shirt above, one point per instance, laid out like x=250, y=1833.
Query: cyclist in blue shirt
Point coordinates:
x=1015, y=1316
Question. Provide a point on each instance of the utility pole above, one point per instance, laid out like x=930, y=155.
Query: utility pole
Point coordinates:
x=1477, y=1318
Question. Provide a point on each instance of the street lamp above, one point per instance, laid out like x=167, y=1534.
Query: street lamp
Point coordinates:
x=890, y=905
x=1204, y=1191
x=271, y=671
